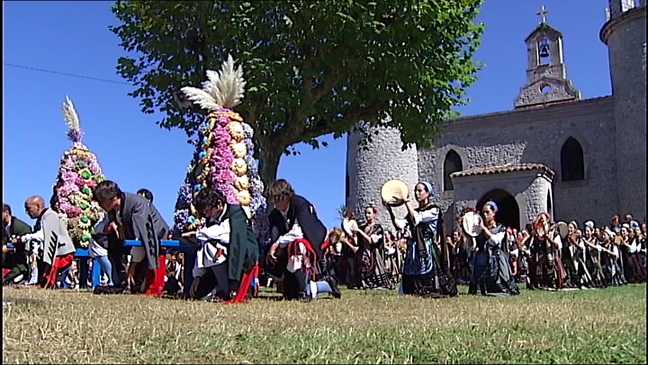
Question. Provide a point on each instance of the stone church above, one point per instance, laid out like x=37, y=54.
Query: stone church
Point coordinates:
x=555, y=152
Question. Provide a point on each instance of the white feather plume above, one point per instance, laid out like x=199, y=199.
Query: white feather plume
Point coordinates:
x=201, y=97
x=223, y=89
x=70, y=115
x=230, y=84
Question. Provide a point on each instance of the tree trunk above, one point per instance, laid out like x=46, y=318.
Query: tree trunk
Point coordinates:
x=269, y=163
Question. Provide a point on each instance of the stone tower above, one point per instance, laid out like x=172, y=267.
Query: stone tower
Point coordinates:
x=547, y=81
x=625, y=35
x=367, y=170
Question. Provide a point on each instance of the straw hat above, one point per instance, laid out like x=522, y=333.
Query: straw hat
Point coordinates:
x=394, y=193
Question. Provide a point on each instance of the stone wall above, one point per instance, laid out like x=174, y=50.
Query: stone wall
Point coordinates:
x=537, y=136
x=529, y=188
x=368, y=170
x=625, y=36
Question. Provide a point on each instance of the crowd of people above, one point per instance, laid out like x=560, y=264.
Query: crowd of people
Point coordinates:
x=586, y=256
x=305, y=258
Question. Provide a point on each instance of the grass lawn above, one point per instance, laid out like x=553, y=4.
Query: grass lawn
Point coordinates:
x=69, y=326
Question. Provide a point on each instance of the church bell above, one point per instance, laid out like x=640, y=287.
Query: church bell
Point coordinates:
x=544, y=51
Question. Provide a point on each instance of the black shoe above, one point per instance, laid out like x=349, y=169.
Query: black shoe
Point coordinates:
x=304, y=297
x=332, y=282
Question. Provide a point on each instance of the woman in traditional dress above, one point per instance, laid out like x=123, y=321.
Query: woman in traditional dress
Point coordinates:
x=633, y=245
x=420, y=264
x=580, y=276
x=592, y=256
x=492, y=272
x=460, y=268
x=610, y=260
x=392, y=265
x=371, y=265
x=546, y=244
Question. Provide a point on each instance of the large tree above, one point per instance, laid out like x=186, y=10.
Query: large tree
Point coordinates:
x=313, y=67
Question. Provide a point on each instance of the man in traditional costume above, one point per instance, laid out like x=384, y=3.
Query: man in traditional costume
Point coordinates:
x=226, y=262
x=50, y=233
x=298, y=232
x=133, y=217
x=15, y=265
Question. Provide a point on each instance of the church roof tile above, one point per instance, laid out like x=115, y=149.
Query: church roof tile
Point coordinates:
x=491, y=170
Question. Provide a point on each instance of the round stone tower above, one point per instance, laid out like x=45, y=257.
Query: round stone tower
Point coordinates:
x=367, y=170
x=625, y=35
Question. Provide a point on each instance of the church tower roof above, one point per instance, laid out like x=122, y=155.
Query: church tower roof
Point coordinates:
x=547, y=81
x=545, y=29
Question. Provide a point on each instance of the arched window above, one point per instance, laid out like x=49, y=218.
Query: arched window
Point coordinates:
x=572, y=165
x=452, y=163
x=347, y=188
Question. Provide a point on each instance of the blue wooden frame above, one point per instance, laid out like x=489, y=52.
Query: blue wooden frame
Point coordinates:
x=189, y=261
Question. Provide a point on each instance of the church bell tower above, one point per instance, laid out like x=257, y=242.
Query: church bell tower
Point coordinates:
x=547, y=81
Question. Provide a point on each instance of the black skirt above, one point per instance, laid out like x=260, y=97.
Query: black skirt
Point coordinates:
x=419, y=285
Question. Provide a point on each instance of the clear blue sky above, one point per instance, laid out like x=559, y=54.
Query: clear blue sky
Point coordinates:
x=73, y=37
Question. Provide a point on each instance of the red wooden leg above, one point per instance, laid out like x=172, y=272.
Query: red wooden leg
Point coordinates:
x=155, y=278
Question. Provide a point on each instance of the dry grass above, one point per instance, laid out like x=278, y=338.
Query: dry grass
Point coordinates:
x=588, y=326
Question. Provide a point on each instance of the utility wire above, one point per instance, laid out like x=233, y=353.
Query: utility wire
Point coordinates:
x=67, y=74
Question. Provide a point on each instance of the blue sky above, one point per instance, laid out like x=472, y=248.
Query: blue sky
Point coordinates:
x=73, y=38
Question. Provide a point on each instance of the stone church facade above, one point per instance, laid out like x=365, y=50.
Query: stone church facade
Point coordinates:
x=554, y=152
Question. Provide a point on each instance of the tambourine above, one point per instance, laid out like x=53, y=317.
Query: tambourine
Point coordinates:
x=563, y=229
x=349, y=226
x=394, y=193
x=470, y=222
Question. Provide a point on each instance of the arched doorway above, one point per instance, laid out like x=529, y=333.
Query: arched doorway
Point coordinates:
x=508, y=213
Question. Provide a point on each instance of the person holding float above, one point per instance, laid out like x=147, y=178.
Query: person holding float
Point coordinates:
x=423, y=274
x=223, y=162
x=131, y=217
x=228, y=248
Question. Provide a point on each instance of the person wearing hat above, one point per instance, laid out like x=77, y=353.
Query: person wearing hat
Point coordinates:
x=491, y=270
x=592, y=255
x=422, y=263
x=610, y=259
x=635, y=272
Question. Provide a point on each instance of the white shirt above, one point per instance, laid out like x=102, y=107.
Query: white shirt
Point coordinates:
x=419, y=217
x=294, y=232
x=212, y=253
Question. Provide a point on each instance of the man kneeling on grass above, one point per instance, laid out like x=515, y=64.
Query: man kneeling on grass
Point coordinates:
x=51, y=232
x=228, y=252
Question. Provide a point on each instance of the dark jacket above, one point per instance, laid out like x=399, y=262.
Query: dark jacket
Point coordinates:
x=243, y=250
x=140, y=220
x=301, y=211
x=16, y=228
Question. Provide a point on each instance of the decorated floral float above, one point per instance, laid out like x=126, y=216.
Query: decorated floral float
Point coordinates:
x=224, y=153
x=78, y=175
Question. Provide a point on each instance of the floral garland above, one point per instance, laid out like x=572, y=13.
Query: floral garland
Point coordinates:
x=224, y=160
x=78, y=175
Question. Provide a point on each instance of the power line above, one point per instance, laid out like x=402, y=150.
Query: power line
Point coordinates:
x=67, y=74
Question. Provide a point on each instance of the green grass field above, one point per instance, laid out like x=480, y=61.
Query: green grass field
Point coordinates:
x=69, y=326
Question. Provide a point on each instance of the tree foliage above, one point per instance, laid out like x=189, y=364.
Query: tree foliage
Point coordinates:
x=313, y=67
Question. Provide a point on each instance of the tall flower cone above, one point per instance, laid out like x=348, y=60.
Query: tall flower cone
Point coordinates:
x=78, y=175
x=224, y=153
